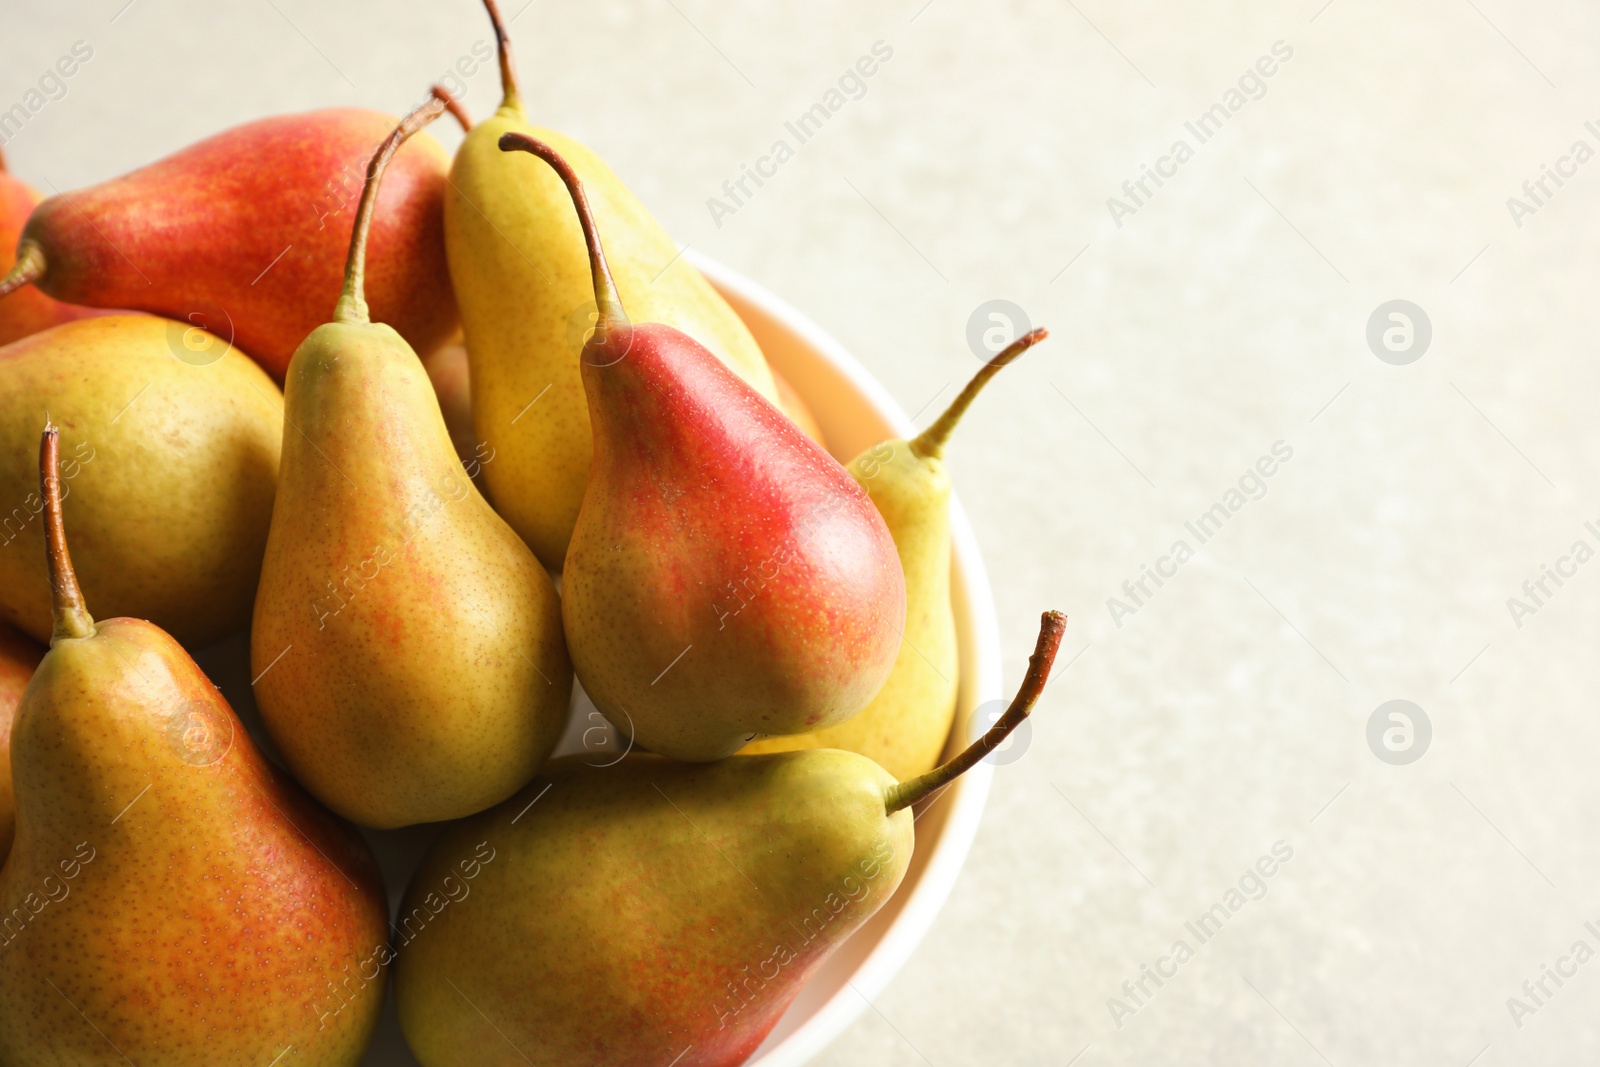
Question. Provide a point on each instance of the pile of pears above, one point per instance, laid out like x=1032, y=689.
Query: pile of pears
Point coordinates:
x=315, y=379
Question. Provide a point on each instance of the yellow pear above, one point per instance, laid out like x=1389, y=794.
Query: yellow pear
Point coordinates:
x=169, y=465
x=521, y=275
x=407, y=645
x=905, y=727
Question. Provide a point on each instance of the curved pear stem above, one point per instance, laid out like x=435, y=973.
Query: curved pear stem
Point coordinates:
x=352, y=305
x=929, y=444
x=605, y=289
x=904, y=794
x=511, y=94
x=3, y=168
x=71, y=617
x=457, y=110
x=29, y=268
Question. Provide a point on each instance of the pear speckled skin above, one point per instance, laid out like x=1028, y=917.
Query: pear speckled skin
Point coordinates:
x=171, y=897
x=905, y=726
x=27, y=311
x=727, y=578
x=408, y=644
x=251, y=225
x=799, y=412
x=18, y=657
x=522, y=279
x=169, y=469
x=650, y=908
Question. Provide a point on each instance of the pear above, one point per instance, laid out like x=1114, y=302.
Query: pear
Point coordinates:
x=18, y=658
x=451, y=377
x=905, y=727
x=169, y=468
x=244, y=234
x=656, y=912
x=171, y=897
x=726, y=577
x=29, y=310
x=407, y=645
x=516, y=258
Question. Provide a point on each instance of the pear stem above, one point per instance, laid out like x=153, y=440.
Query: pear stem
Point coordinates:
x=1052, y=624
x=29, y=268
x=511, y=94
x=352, y=305
x=457, y=110
x=929, y=444
x=71, y=618
x=606, y=299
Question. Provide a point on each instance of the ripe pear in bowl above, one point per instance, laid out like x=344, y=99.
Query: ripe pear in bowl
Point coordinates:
x=726, y=577
x=619, y=913
x=171, y=897
x=170, y=445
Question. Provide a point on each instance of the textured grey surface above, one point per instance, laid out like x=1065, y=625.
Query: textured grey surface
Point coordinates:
x=1228, y=313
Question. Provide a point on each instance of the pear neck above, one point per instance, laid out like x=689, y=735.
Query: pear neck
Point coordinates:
x=607, y=302
x=29, y=267
x=71, y=618
x=929, y=444
x=904, y=794
x=352, y=306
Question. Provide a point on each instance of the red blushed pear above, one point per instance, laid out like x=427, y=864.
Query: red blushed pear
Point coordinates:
x=245, y=235
x=28, y=311
x=657, y=912
x=170, y=897
x=18, y=658
x=726, y=577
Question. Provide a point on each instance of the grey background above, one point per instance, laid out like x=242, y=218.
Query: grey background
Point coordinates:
x=1227, y=314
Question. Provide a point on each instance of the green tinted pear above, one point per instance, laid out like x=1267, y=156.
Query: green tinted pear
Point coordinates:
x=653, y=912
x=407, y=643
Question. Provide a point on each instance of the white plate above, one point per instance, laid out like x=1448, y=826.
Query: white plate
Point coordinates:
x=855, y=412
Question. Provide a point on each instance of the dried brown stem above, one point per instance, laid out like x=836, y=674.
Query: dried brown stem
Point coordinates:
x=71, y=617
x=352, y=306
x=605, y=290
x=930, y=443
x=1051, y=626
